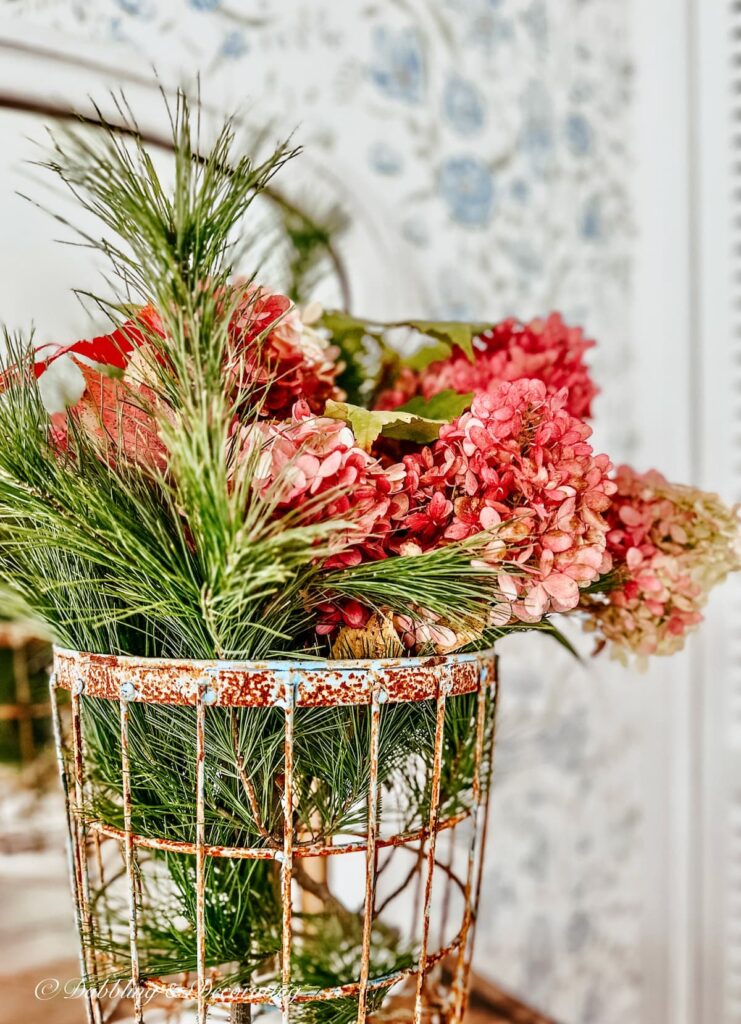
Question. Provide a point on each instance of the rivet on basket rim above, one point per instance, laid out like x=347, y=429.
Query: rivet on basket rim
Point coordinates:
x=128, y=691
x=446, y=684
x=208, y=694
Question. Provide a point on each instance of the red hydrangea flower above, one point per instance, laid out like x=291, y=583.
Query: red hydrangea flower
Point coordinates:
x=519, y=465
x=274, y=350
x=546, y=350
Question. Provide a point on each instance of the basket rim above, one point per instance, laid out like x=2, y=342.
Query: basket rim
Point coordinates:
x=273, y=683
x=279, y=664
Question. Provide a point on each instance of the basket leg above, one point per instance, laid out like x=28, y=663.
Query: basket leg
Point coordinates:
x=201, y=855
x=477, y=849
x=241, y=1013
x=370, y=858
x=289, y=703
x=423, y=967
x=130, y=863
x=73, y=845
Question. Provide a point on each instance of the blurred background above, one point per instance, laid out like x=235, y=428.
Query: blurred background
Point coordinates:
x=489, y=158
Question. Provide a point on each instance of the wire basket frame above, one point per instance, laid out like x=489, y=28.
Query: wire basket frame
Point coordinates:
x=443, y=886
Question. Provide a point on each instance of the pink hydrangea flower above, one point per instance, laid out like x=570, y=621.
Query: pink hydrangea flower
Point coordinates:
x=546, y=350
x=518, y=465
x=670, y=544
x=312, y=464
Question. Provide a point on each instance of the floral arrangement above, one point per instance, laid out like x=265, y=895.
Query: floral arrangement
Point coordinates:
x=227, y=474
x=223, y=458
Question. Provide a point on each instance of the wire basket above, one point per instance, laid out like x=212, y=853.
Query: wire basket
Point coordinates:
x=239, y=831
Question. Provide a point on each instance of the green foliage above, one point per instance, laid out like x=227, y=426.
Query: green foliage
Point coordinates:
x=451, y=582
x=445, y=406
x=331, y=764
x=450, y=332
x=367, y=424
x=103, y=554
x=427, y=354
x=371, y=363
x=368, y=361
x=312, y=240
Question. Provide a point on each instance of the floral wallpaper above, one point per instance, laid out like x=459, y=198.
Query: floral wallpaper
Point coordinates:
x=481, y=145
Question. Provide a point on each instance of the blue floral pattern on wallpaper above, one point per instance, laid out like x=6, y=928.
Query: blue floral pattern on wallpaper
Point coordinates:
x=482, y=145
x=397, y=66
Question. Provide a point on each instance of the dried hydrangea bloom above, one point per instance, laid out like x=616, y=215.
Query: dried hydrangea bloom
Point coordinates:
x=517, y=465
x=520, y=466
x=670, y=544
x=312, y=465
x=276, y=351
x=544, y=349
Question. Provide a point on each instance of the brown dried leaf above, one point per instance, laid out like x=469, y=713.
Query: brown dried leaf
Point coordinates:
x=377, y=639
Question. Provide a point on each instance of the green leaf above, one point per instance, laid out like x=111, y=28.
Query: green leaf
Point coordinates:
x=368, y=360
x=338, y=322
x=367, y=425
x=426, y=355
x=454, y=332
x=444, y=406
x=560, y=638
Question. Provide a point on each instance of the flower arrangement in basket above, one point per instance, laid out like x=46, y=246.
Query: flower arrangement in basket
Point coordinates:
x=275, y=555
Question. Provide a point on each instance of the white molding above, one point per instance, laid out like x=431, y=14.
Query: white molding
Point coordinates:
x=718, y=283
x=688, y=341
x=663, y=311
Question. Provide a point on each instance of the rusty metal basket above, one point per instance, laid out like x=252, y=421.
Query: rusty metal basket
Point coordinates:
x=437, y=890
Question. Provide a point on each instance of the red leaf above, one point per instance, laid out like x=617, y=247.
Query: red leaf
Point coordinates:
x=110, y=349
